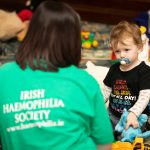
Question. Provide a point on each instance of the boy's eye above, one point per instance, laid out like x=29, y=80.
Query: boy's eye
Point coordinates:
x=117, y=51
x=126, y=50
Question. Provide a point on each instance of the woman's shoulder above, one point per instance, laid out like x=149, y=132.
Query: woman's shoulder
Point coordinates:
x=81, y=76
x=7, y=70
x=8, y=66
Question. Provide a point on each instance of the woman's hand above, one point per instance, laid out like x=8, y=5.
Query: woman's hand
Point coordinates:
x=104, y=147
x=132, y=121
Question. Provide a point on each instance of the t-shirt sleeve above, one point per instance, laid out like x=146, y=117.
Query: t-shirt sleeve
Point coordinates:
x=101, y=129
x=108, y=79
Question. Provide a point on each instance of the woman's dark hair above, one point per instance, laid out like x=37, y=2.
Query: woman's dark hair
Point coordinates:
x=53, y=39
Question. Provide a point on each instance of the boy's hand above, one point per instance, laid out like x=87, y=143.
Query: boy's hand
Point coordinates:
x=132, y=121
x=107, y=104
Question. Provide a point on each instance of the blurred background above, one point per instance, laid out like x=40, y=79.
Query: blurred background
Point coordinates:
x=98, y=18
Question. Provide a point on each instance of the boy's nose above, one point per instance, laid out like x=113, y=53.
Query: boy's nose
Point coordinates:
x=122, y=55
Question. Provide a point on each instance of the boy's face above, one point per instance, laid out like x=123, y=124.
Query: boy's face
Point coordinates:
x=127, y=49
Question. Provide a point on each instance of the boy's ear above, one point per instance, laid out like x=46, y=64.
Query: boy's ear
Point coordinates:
x=140, y=49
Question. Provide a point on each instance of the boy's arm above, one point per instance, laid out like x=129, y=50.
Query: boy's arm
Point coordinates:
x=138, y=108
x=141, y=103
x=106, y=93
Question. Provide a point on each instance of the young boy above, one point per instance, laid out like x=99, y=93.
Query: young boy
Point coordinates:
x=128, y=81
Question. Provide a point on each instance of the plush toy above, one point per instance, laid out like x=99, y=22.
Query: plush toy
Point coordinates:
x=10, y=25
x=25, y=15
x=130, y=134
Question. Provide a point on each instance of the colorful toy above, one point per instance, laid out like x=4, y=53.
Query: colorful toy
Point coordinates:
x=25, y=15
x=88, y=40
x=130, y=134
x=136, y=145
x=144, y=55
x=121, y=146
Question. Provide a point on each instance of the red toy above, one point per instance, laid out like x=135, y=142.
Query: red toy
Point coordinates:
x=25, y=14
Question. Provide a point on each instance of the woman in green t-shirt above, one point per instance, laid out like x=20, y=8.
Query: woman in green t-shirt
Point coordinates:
x=46, y=101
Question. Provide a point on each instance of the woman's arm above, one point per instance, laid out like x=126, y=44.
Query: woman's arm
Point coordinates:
x=104, y=147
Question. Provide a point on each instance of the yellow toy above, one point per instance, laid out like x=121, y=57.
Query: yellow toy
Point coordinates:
x=136, y=145
x=144, y=55
x=88, y=40
x=95, y=43
x=122, y=146
x=143, y=29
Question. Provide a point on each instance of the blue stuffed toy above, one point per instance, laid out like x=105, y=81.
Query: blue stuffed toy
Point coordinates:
x=130, y=134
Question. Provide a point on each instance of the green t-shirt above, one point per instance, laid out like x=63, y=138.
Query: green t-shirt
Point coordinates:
x=51, y=111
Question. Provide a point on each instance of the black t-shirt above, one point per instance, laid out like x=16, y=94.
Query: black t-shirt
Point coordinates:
x=126, y=86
